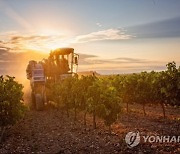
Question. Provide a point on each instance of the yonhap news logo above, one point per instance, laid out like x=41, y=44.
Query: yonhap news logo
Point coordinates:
x=133, y=139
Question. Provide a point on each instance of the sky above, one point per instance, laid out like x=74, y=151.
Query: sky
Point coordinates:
x=111, y=36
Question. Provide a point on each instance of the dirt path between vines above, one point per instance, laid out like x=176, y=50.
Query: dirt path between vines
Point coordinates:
x=50, y=132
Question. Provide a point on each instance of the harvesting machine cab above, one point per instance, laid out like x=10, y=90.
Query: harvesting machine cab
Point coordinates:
x=60, y=64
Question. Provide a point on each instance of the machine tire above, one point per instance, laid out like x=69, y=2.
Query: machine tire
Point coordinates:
x=39, y=102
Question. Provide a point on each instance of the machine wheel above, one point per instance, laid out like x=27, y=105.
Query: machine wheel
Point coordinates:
x=39, y=102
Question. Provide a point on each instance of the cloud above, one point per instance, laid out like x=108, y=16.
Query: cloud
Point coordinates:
x=118, y=65
x=27, y=38
x=131, y=60
x=2, y=51
x=85, y=59
x=93, y=59
x=18, y=42
x=98, y=24
x=160, y=29
x=3, y=46
x=108, y=34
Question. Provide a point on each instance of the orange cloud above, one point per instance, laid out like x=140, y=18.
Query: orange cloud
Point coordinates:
x=108, y=34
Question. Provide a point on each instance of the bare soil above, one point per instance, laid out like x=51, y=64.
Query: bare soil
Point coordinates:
x=50, y=131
